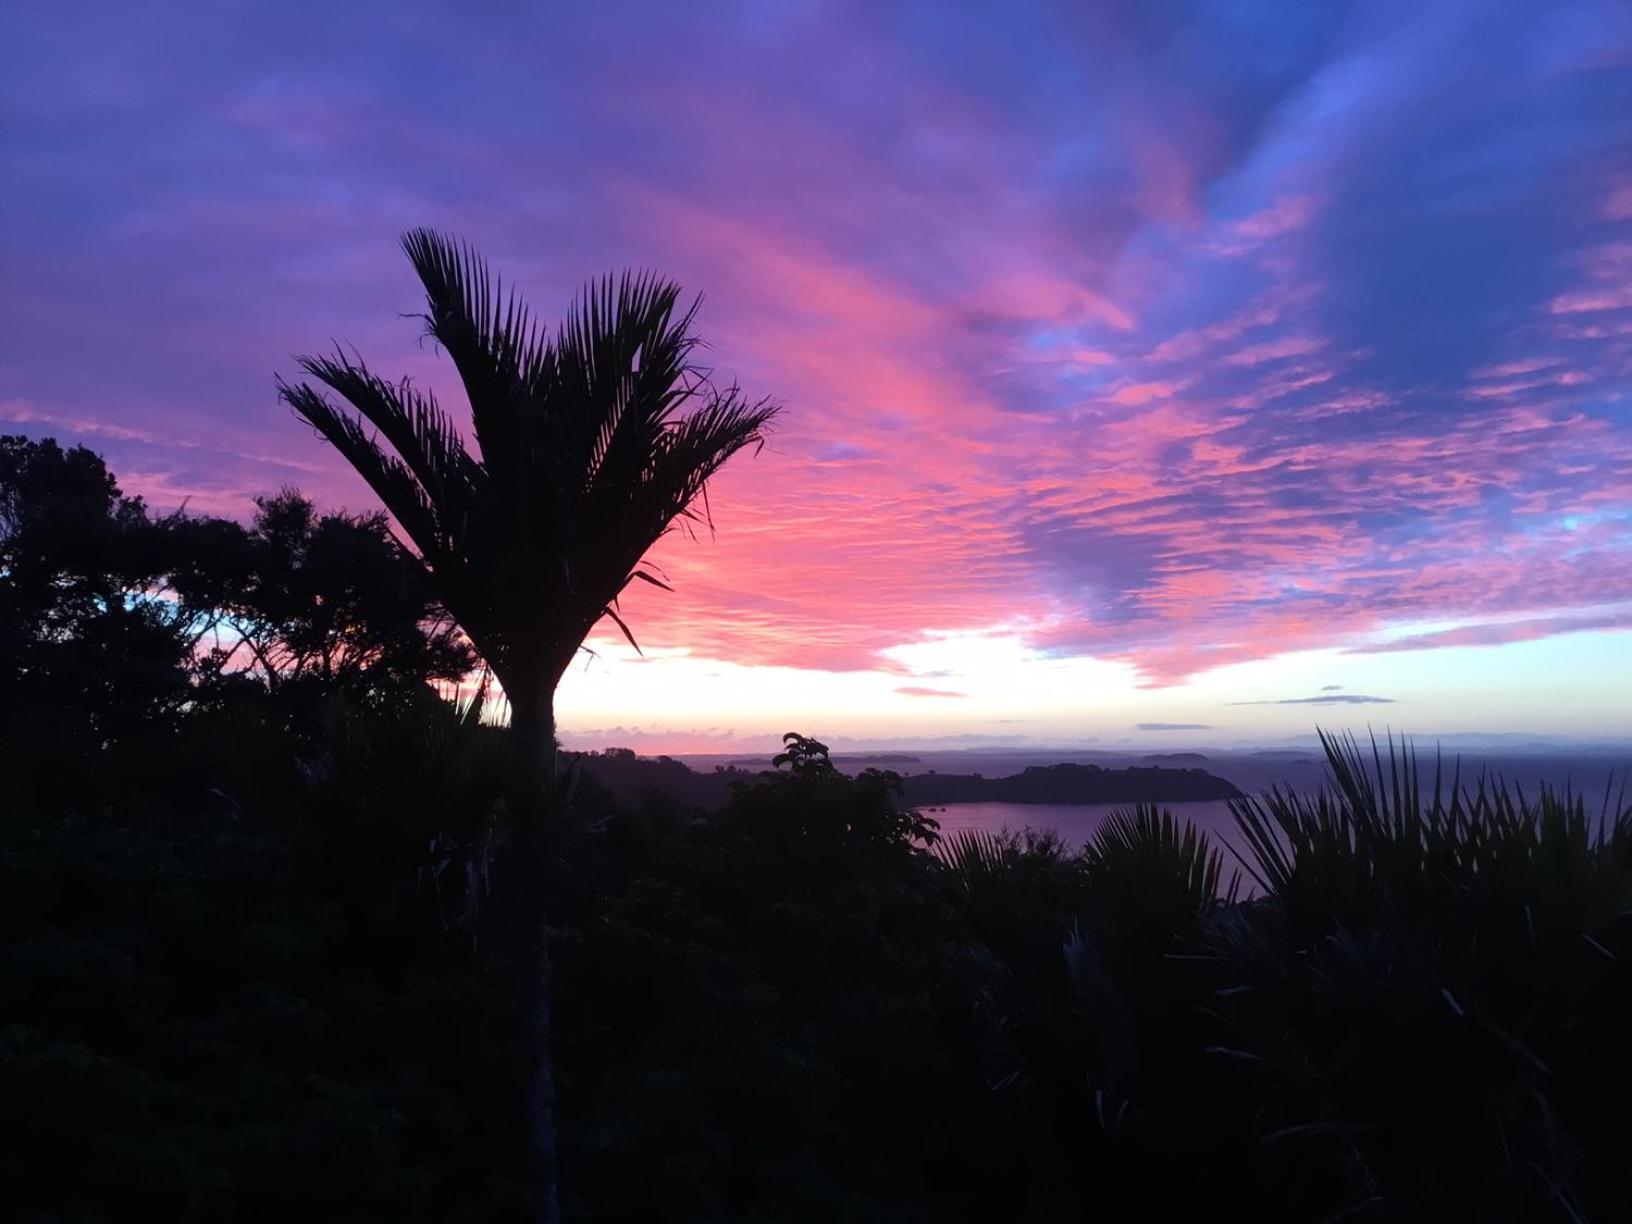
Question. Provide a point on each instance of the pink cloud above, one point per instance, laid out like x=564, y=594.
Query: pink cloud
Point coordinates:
x=1285, y=215
x=1040, y=297
x=1092, y=357
x=1512, y=369
x=1275, y=350
x=1618, y=203
x=1607, y=273
x=1264, y=312
x=1143, y=393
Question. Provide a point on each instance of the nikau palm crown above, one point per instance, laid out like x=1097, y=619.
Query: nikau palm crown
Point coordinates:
x=591, y=442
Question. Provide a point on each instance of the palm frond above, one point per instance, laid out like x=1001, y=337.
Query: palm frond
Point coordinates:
x=1376, y=844
x=1150, y=846
x=621, y=357
x=492, y=337
x=391, y=479
x=974, y=857
x=423, y=436
x=688, y=454
x=622, y=520
x=611, y=612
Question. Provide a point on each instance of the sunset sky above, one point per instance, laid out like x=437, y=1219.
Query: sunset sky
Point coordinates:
x=1154, y=375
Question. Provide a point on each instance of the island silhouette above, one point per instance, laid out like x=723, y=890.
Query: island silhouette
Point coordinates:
x=629, y=778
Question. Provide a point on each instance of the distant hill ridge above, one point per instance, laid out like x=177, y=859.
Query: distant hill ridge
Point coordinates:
x=1072, y=784
x=842, y=759
x=630, y=778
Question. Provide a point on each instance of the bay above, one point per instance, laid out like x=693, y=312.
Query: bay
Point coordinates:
x=1077, y=822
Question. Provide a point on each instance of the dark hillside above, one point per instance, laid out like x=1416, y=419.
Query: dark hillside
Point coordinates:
x=632, y=779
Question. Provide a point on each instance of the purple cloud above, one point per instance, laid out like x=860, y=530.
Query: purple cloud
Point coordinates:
x=1322, y=328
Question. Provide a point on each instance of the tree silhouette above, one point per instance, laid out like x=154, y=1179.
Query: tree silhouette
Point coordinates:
x=89, y=659
x=113, y=622
x=305, y=600
x=591, y=443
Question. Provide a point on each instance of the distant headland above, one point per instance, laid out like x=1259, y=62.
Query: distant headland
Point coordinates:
x=1071, y=784
x=630, y=778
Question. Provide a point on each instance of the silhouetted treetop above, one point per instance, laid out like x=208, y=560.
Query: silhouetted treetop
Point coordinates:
x=591, y=441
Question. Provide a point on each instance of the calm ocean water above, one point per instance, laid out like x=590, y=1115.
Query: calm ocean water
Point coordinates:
x=1599, y=780
x=1074, y=822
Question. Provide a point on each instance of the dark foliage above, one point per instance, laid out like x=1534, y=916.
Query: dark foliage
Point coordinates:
x=87, y=657
x=303, y=600
x=116, y=625
x=266, y=957
x=266, y=1004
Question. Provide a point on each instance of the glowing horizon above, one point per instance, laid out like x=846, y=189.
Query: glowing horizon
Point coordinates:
x=1146, y=377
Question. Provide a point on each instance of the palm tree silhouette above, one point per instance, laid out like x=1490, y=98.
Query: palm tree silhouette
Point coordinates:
x=586, y=456
x=591, y=443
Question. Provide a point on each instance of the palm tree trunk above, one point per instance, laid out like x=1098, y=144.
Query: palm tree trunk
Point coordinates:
x=532, y=738
x=541, y=1086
